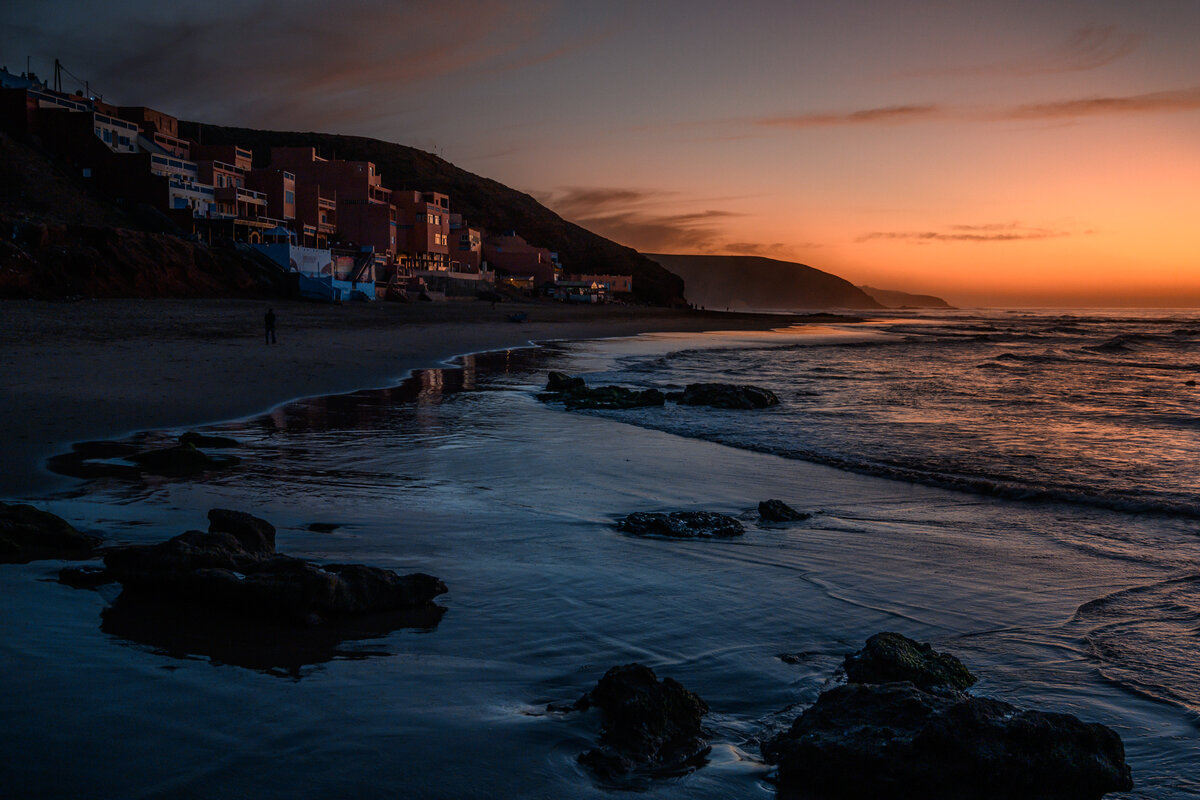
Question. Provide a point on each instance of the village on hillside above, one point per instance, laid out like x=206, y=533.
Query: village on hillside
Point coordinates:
x=331, y=224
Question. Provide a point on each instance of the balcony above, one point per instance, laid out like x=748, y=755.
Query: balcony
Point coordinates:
x=326, y=203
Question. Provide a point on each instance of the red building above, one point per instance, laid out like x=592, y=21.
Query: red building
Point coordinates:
x=424, y=222
x=466, y=246
x=365, y=216
x=512, y=254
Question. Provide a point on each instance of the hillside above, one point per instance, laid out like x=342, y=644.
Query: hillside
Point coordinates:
x=58, y=240
x=483, y=201
x=891, y=298
x=741, y=282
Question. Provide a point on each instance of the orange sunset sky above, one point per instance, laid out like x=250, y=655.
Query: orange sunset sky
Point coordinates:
x=1016, y=153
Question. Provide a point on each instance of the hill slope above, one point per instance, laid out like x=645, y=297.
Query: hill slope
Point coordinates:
x=483, y=201
x=761, y=283
x=894, y=299
x=58, y=240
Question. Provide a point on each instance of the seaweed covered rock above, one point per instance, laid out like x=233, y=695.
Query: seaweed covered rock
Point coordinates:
x=254, y=534
x=648, y=725
x=724, y=395
x=28, y=534
x=179, y=461
x=681, y=524
x=562, y=382
x=575, y=394
x=779, y=511
x=93, y=460
x=234, y=567
x=890, y=657
x=895, y=740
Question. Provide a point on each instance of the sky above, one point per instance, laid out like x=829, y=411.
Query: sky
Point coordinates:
x=1004, y=154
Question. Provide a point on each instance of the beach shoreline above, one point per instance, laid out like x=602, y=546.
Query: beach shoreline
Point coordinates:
x=97, y=369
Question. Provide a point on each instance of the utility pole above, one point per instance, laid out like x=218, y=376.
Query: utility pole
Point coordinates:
x=57, y=75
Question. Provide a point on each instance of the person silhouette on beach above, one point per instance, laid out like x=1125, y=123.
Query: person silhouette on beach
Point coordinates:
x=269, y=320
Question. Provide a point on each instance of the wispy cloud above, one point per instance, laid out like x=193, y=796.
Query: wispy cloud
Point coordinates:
x=1153, y=102
x=886, y=115
x=986, y=233
x=1087, y=48
x=646, y=220
x=294, y=63
x=1175, y=100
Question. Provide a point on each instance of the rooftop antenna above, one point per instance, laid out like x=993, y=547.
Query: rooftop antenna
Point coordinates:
x=57, y=75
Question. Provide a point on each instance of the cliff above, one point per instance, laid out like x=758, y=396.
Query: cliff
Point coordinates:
x=752, y=282
x=890, y=298
x=484, y=202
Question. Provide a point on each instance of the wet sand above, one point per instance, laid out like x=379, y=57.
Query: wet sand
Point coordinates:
x=104, y=368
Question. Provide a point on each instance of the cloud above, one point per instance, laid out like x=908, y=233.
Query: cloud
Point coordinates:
x=778, y=250
x=298, y=64
x=887, y=115
x=987, y=233
x=1087, y=48
x=646, y=220
x=1153, y=102
x=1175, y=100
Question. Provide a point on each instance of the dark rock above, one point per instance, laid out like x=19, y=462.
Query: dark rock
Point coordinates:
x=779, y=511
x=84, y=461
x=613, y=397
x=204, y=440
x=323, y=527
x=1189, y=383
x=84, y=577
x=895, y=740
x=889, y=657
x=234, y=567
x=27, y=534
x=179, y=461
x=575, y=394
x=254, y=534
x=276, y=646
x=648, y=725
x=562, y=382
x=681, y=524
x=725, y=395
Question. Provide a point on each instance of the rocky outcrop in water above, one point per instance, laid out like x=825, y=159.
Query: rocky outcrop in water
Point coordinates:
x=648, y=725
x=92, y=460
x=574, y=393
x=681, y=524
x=233, y=568
x=28, y=534
x=892, y=658
x=779, y=511
x=893, y=738
x=724, y=395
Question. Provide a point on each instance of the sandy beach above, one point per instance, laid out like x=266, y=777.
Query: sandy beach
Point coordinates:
x=103, y=368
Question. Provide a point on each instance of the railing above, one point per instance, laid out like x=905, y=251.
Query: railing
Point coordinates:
x=326, y=203
x=249, y=195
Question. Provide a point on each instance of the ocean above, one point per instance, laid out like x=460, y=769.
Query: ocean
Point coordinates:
x=1018, y=488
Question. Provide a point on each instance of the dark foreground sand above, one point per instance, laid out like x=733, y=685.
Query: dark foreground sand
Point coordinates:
x=103, y=368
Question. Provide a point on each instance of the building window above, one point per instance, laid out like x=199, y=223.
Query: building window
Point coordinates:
x=289, y=197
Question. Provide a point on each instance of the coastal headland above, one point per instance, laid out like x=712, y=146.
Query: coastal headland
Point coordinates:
x=102, y=368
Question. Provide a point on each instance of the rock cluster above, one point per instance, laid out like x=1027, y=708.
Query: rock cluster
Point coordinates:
x=102, y=459
x=233, y=567
x=903, y=728
x=648, y=725
x=28, y=534
x=574, y=393
x=681, y=524
x=724, y=395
